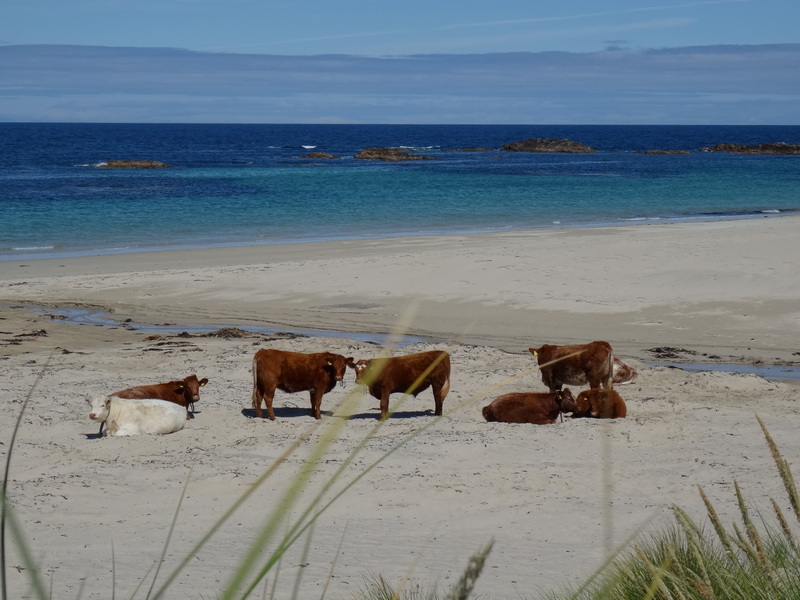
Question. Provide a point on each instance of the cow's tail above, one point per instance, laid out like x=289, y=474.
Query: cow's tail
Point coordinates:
x=256, y=399
x=609, y=382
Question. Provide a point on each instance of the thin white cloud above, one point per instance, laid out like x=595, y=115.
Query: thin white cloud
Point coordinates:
x=590, y=15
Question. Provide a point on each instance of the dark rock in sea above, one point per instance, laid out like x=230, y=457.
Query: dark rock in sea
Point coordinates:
x=325, y=155
x=547, y=145
x=771, y=148
x=665, y=152
x=390, y=154
x=132, y=164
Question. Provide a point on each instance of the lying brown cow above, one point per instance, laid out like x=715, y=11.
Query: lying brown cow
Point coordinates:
x=410, y=374
x=540, y=408
x=600, y=404
x=295, y=372
x=578, y=364
x=185, y=392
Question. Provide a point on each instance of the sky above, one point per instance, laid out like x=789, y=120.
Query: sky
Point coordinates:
x=466, y=61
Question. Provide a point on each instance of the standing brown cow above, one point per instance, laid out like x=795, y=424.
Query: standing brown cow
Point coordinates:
x=577, y=364
x=410, y=374
x=295, y=372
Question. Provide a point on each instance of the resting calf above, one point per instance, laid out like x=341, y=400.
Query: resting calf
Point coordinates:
x=600, y=404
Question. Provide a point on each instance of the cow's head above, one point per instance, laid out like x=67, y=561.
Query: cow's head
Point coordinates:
x=336, y=364
x=566, y=401
x=360, y=367
x=100, y=406
x=190, y=388
x=589, y=403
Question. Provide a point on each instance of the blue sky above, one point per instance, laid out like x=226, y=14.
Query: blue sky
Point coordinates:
x=573, y=61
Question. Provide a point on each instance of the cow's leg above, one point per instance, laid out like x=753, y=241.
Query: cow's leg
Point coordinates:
x=384, y=406
x=257, y=398
x=438, y=399
x=316, y=403
x=269, y=396
x=439, y=394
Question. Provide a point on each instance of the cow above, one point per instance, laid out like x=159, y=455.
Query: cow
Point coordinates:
x=124, y=416
x=600, y=404
x=577, y=364
x=623, y=373
x=292, y=372
x=409, y=374
x=185, y=392
x=539, y=408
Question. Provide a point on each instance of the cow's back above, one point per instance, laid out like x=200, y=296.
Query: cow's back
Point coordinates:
x=576, y=364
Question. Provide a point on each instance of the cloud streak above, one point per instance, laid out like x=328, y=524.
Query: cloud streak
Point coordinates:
x=707, y=84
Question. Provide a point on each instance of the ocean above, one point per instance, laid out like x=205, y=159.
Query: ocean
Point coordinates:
x=250, y=184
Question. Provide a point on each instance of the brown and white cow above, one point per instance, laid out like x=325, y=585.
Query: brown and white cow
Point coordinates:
x=409, y=374
x=291, y=372
x=539, y=408
x=576, y=364
x=600, y=404
x=623, y=373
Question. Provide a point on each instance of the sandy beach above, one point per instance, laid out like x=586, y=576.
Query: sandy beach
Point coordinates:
x=555, y=499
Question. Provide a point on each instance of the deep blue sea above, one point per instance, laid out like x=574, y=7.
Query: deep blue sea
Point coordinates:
x=248, y=184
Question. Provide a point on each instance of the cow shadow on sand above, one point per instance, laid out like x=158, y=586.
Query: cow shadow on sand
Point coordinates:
x=284, y=412
x=290, y=412
x=400, y=414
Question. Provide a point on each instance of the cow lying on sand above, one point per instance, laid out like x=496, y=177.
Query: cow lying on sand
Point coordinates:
x=295, y=372
x=409, y=374
x=539, y=408
x=600, y=404
x=124, y=416
x=184, y=392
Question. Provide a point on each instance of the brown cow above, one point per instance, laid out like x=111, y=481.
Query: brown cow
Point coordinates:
x=623, y=373
x=295, y=372
x=540, y=408
x=410, y=374
x=578, y=364
x=600, y=404
x=185, y=392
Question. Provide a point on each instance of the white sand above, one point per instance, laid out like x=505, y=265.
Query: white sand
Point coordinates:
x=554, y=498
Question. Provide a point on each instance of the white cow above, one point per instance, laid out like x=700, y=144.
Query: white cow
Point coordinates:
x=132, y=417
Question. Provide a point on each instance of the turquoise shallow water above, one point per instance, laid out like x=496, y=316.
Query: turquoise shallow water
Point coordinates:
x=244, y=184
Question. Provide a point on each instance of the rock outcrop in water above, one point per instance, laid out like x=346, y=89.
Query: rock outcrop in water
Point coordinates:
x=132, y=164
x=772, y=148
x=325, y=155
x=390, y=154
x=547, y=145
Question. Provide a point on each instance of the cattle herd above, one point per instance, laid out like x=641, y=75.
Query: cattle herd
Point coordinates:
x=165, y=407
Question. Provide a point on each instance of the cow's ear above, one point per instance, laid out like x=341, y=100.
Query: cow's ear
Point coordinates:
x=181, y=386
x=533, y=351
x=203, y=381
x=330, y=364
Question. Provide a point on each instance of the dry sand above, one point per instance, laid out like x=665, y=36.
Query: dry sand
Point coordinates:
x=554, y=498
